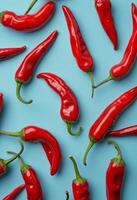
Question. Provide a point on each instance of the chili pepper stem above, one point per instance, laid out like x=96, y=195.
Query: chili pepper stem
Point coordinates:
x=67, y=195
x=1, y=15
x=6, y=162
x=13, y=134
x=31, y=6
x=118, y=159
x=70, y=131
x=91, y=144
x=90, y=73
x=110, y=78
x=18, y=88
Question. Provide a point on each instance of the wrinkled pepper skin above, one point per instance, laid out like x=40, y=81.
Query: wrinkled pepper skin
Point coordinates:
x=78, y=44
x=14, y=193
x=6, y=53
x=128, y=131
x=81, y=191
x=28, y=23
x=114, y=181
x=104, y=11
x=108, y=117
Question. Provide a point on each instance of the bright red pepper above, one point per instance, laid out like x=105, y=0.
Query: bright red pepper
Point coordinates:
x=105, y=121
x=32, y=183
x=78, y=45
x=120, y=70
x=6, y=53
x=115, y=175
x=49, y=143
x=104, y=11
x=25, y=71
x=128, y=131
x=28, y=23
x=5, y=163
x=80, y=185
x=69, y=105
x=14, y=193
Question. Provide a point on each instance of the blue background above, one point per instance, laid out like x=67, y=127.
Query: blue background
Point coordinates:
x=44, y=111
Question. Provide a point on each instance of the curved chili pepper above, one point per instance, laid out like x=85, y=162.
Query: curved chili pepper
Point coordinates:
x=120, y=70
x=4, y=163
x=28, y=23
x=6, y=53
x=14, y=193
x=104, y=11
x=115, y=175
x=128, y=131
x=25, y=71
x=49, y=143
x=79, y=46
x=105, y=121
x=32, y=183
x=69, y=105
x=80, y=185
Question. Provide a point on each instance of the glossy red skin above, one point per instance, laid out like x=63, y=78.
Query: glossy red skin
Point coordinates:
x=128, y=131
x=105, y=121
x=123, y=68
x=14, y=193
x=29, y=23
x=29, y=64
x=49, y=143
x=7, y=53
x=69, y=105
x=104, y=11
x=81, y=191
x=33, y=186
x=78, y=44
x=114, y=180
x=3, y=168
x=1, y=101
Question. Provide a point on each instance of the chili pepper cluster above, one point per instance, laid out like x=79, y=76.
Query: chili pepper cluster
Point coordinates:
x=70, y=113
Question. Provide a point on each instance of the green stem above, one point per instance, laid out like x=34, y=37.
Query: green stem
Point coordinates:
x=18, y=88
x=67, y=195
x=31, y=6
x=79, y=179
x=90, y=73
x=118, y=159
x=110, y=78
x=70, y=131
x=1, y=15
x=91, y=144
x=7, y=162
x=13, y=134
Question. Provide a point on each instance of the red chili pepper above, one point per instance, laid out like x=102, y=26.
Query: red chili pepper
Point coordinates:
x=25, y=71
x=80, y=185
x=120, y=70
x=6, y=53
x=32, y=183
x=104, y=11
x=28, y=23
x=14, y=193
x=4, y=163
x=69, y=105
x=1, y=101
x=115, y=175
x=78, y=45
x=105, y=121
x=128, y=131
x=48, y=141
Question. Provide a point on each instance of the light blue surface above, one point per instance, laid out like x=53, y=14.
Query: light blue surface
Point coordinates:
x=44, y=111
